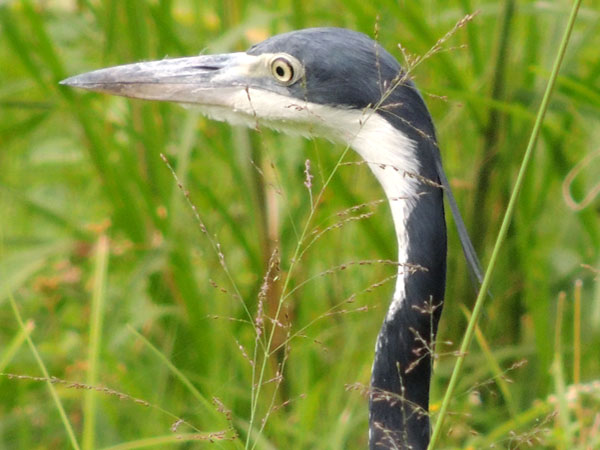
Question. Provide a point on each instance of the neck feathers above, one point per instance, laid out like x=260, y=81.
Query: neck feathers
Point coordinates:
x=399, y=399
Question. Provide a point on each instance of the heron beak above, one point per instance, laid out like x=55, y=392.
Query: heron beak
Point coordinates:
x=204, y=79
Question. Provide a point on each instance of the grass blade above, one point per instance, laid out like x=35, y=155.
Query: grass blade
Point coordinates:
x=494, y=367
x=44, y=370
x=15, y=344
x=96, y=319
x=178, y=374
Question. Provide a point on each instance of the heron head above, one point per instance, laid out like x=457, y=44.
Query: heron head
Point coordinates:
x=302, y=81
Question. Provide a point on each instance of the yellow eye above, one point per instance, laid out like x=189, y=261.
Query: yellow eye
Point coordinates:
x=282, y=70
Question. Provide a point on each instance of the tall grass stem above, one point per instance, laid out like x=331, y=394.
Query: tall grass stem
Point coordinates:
x=503, y=229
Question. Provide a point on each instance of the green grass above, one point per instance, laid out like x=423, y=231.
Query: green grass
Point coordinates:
x=153, y=338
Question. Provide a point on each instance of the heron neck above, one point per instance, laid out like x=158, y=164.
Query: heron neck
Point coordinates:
x=399, y=397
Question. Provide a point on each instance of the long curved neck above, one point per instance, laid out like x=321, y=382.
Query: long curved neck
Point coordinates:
x=399, y=394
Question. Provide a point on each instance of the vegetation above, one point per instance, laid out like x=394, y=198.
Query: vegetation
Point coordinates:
x=241, y=309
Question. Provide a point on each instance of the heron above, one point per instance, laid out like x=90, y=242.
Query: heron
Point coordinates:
x=342, y=85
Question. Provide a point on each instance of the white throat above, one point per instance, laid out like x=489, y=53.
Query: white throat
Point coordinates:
x=391, y=155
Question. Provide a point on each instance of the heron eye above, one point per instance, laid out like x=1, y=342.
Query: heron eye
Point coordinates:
x=282, y=70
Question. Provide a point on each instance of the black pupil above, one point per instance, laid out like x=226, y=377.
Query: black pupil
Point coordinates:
x=280, y=71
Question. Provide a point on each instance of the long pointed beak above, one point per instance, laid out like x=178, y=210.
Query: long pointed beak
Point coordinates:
x=198, y=79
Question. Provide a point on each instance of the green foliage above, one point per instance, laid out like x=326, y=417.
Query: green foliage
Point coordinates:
x=161, y=319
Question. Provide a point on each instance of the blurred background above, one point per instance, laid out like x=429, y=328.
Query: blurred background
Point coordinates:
x=108, y=279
